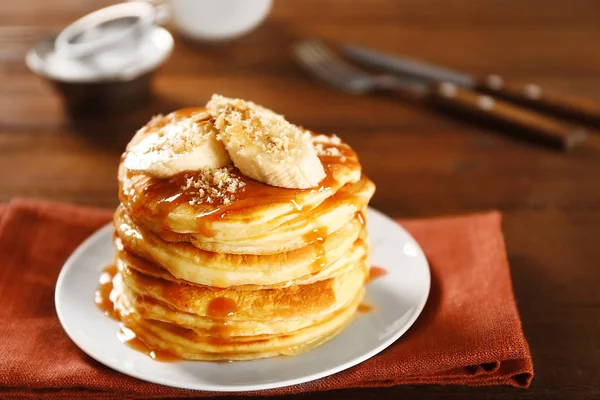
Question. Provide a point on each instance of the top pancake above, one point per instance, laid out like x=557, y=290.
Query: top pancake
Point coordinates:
x=169, y=205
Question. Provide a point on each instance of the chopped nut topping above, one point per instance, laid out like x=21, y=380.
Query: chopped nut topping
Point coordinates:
x=329, y=151
x=213, y=186
x=333, y=139
x=328, y=146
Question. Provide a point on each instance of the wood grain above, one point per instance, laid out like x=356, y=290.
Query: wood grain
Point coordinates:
x=551, y=101
x=423, y=163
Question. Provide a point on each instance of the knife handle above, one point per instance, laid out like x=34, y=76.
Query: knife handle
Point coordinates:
x=451, y=97
x=534, y=96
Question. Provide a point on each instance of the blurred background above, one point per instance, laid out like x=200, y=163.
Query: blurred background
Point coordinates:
x=424, y=163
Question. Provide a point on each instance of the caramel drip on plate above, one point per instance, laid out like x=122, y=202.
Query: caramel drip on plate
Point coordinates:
x=128, y=337
x=105, y=301
x=105, y=286
x=376, y=272
x=363, y=308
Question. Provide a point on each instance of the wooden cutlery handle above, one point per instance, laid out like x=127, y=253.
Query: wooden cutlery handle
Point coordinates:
x=537, y=126
x=534, y=96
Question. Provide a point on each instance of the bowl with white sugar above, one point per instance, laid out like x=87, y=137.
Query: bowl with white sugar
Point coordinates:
x=106, y=64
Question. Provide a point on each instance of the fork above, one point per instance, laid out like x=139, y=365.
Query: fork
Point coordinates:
x=328, y=67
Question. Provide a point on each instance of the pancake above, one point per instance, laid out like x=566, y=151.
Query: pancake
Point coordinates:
x=191, y=345
x=297, y=231
x=204, y=323
x=316, y=261
x=155, y=309
x=169, y=206
x=272, y=231
x=213, y=265
x=291, y=303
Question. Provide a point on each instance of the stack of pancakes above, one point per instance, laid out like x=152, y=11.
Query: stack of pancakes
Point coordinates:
x=264, y=271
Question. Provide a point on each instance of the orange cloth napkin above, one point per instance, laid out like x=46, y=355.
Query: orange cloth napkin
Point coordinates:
x=469, y=332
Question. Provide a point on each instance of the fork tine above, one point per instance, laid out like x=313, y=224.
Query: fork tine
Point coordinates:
x=335, y=62
x=308, y=57
x=325, y=59
x=323, y=63
x=326, y=65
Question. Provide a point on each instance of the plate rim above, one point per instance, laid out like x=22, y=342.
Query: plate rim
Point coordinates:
x=414, y=315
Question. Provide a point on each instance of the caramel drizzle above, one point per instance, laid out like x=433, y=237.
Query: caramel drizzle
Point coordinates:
x=129, y=338
x=363, y=308
x=376, y=272
x=143, y=194
x=104, y=299
x=317, y=238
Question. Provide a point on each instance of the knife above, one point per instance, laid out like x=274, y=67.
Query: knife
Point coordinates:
x=530, y=94
x=318, y=59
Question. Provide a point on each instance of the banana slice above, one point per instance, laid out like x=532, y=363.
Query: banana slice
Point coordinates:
x=264, y=146
x=170, y=145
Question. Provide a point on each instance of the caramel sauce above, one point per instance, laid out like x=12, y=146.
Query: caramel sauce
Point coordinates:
x=173, y=291
x=364, y=308
x=204, y=228
x=344, y=197
x=155, y=198
x=219, y=330
x=221, y=307
x=218, y=341
x=376, y=272
x=128, y=337
x=165, y=195
x=105, y=287
x=317, y=237
x=105, y=302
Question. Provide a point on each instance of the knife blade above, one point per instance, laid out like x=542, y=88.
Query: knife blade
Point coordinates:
x=529, y=94
x=407, y=66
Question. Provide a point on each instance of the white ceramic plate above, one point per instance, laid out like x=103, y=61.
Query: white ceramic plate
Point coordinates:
x=397, y=299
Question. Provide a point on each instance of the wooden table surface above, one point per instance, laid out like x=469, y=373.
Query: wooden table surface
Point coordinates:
x=424, y=164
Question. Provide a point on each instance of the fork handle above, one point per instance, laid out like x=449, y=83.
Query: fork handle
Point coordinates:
x=534, y=96
x=536, y=126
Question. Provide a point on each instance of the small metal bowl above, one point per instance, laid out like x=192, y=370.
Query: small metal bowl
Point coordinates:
x=97, y=92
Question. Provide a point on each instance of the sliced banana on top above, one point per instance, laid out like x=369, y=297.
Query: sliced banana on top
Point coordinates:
x=264, y=146
x=171, y=145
